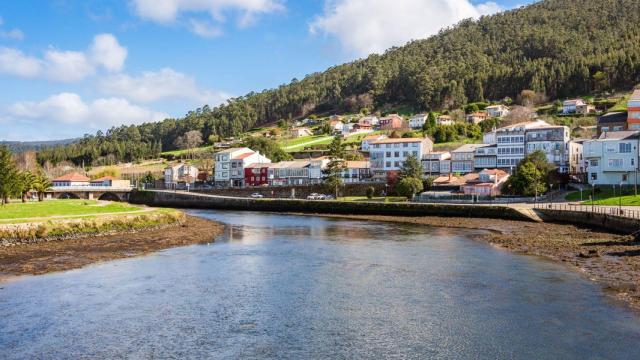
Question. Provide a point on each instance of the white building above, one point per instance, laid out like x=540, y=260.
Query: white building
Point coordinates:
x=444, y=120
x=180, y=175
x=230, y=164
x=369, y=120
x=577, y=164
x=612, y=159
x=510, y=142
x=462, y=158
x=497, y=111
x=367, y=140
x=437, y=162
x=571, y=106
x=485, y=157
x=553, y=141
x=389, y=154
x=418, y=121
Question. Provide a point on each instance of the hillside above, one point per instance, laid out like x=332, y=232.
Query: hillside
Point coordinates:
x=561, y=48
x=21, y=146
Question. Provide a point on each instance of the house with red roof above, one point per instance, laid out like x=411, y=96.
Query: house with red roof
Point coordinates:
x=71, y=179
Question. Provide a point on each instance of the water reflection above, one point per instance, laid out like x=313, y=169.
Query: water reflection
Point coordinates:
x=307, y=287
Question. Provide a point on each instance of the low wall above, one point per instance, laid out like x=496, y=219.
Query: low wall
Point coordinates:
x=191, y=200
x=612, y=223
x=301, y=192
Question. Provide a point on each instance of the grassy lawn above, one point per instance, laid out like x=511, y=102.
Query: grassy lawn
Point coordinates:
x=300, y=140
x=186, y=151
x=19, y=210
x=621, y=105
x=605, y=196
x=374, y=199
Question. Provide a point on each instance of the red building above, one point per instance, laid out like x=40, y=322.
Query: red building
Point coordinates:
x=256, y=174
x=393, y=122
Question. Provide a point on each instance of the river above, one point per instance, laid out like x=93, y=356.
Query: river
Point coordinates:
x=299, y=287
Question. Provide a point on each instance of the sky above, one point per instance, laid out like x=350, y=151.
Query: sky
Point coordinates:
x=72, y=67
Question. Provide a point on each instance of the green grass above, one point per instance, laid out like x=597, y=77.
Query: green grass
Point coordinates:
x=186, y=151
x=300, y=140
x=61, y=208
x=605, y=196
x=621, y=105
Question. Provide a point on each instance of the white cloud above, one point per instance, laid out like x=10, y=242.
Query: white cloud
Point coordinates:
x=204, y=29
x=69, y=108
x=164, y=84
x=67, y=66
x=106, y=51
x=168, y=11
x=63, y=65
x=13, y=34
x=15, y=62
x=365, y=26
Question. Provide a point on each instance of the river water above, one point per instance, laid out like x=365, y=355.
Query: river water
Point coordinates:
x=277, y=286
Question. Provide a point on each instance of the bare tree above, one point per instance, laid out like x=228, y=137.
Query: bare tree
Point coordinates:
x=518, y=114
x=190, y=140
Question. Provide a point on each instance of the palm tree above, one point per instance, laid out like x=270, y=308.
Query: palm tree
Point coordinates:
x=25, y=183
x=41, y=185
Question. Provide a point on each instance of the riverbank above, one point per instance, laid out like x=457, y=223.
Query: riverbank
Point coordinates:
x=611, y=260
x=71, y=253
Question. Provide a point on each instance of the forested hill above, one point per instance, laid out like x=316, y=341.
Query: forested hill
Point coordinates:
x=560, y=47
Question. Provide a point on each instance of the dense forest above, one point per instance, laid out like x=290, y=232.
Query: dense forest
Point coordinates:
x=561, y=48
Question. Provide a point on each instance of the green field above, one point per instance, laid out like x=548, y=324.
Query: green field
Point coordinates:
x=186, y=151
x=62, y=208
x=605, y=196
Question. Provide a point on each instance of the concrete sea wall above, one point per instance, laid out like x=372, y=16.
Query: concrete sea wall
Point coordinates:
x=199, y=201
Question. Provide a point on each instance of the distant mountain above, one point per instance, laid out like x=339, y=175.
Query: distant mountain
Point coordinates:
x=562, y=48
x=21, y=146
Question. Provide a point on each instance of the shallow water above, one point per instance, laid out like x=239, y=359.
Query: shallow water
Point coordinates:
x=280, y=286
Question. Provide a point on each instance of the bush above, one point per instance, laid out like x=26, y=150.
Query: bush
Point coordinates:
x=409, y=187
x=370, y=192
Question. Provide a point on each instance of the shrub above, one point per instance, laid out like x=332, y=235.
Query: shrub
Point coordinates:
x=370, y=192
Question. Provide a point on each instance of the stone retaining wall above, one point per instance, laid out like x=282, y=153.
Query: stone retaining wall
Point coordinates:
x=301, y=192
x=191, y=200
x=612, y=223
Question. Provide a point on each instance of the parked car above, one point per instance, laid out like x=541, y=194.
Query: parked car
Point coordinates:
x=313, y=196
x=328, y=197
x=257, y=196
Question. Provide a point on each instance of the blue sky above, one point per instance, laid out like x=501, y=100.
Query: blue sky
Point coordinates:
x=70, y=67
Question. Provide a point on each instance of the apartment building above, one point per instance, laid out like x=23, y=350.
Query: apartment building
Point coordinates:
x=510, y=142
x=463, y=158
x=485, y=157
x=612, y=159
x=437, y=162
x=553, y=141
x=179, y=175
x=230, y=165
x=388, y=155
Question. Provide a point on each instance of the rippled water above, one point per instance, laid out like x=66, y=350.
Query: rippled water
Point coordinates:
x=303, y=287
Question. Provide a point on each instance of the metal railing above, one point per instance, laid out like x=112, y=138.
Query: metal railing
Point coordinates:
x=594, y=209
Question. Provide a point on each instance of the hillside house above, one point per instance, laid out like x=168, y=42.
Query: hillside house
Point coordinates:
x=477, y=117
x=497, y=111
x=367, y=140
x=571, y=106
x=393, y=122
x=444, y=120
x=297, y=132
x=615, y=121
x=230, y=165
x=418, y=121
x=369, y=120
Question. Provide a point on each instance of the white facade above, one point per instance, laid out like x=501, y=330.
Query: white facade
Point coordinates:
x=612, y=159
x=497, y=111
x=485, y=157
x=463, y=158
x=418, y=121
x=553, y=141
x=180, y=173
x=444, y=120
x=390, y=154
x=576, y=157
x=230, y=164
x=436, y=163
x=570, y=106
x=366, y=142
x=510, y=142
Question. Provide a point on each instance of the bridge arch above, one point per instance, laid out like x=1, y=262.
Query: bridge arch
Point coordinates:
x=68, y=195
x=109, y=196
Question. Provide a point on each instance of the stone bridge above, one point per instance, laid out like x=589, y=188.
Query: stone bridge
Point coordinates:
x=89, y=193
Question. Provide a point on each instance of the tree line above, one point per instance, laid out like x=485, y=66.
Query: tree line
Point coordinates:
x=18, y=183
x=557, y=48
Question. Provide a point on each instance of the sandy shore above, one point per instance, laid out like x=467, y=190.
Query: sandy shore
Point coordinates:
x=44, y=257
x=611, y=260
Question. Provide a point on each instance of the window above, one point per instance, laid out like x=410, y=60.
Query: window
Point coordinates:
x=415, y=153
x=397, y=154
x=625, y=148
x=388, y=164
x=405, y=153
x=615, y=163
x=388, y=153
x=594, y=176
x=624, y=177
x=593, y=163
x=405, y=145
